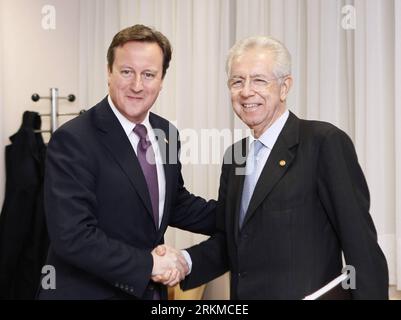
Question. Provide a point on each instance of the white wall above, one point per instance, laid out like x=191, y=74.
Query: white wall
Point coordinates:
x=35, y=59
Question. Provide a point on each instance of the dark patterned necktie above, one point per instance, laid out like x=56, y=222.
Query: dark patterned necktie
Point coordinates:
x=147, y=160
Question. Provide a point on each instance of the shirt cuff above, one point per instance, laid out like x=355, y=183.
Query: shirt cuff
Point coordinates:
x=188, y=260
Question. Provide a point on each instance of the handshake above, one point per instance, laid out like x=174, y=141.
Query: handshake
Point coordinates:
x=169, y=265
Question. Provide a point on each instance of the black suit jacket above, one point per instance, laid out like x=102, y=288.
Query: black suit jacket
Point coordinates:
x=99, y=211
x=310, y=204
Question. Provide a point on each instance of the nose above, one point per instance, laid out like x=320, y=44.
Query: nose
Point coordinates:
x=136, y=84
x=247, y=89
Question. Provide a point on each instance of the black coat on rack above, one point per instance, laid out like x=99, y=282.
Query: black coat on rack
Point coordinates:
x=23, y=233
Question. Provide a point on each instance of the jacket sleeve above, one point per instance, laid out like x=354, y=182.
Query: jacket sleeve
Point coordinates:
x=345, y=196
x=71, y=213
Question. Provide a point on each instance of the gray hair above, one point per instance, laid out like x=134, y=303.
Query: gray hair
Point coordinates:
x=282, y=57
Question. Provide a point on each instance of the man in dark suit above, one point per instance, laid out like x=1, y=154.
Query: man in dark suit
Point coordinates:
x=113, y=184
x=301, y=200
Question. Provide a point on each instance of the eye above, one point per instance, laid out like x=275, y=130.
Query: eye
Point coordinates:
x=126, y=73
x=260, y=82
x=149, y=75
x=236, y=83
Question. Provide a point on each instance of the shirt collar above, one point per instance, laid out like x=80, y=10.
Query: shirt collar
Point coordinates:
x=127, y=125
x=269, y=137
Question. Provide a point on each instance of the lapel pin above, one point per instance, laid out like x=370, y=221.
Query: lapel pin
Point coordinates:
x=282, y=163
x=165, y=140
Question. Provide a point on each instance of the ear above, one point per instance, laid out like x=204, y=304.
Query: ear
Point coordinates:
x=285, y=88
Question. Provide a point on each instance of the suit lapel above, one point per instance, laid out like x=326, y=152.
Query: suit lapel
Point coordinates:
x=236, y=188
x=280, y=159
x=116, y=141
x=165, y=142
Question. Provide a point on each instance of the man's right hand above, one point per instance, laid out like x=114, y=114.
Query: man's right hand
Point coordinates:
x=169, y=265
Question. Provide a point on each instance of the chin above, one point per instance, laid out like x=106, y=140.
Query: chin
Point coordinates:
x=250, y=121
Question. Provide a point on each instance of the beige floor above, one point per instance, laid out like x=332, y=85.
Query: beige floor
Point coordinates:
x=394, y=294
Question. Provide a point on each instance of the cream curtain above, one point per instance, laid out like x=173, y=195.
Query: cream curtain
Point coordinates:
x=395, y=251
x=346, y=66
x=374, y=103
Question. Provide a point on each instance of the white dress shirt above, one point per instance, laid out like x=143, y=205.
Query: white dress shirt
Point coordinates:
x=268, y=139
x=128, y=127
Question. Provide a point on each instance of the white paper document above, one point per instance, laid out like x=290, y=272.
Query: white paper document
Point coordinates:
x=327, y=287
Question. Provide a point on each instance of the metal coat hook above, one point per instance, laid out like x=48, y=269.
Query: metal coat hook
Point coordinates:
x=54, y=97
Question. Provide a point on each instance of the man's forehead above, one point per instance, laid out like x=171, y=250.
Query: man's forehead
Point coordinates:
x=255, y=55
x=252, y=64
x=139, y=52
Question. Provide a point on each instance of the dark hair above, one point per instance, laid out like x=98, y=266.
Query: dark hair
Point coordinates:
x=140, y=33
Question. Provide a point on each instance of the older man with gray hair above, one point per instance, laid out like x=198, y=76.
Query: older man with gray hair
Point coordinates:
x=299, y=201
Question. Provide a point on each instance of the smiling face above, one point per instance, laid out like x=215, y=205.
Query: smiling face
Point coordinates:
x=135, y=79
x=260, y=98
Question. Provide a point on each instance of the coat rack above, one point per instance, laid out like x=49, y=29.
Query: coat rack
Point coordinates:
x=54, y=97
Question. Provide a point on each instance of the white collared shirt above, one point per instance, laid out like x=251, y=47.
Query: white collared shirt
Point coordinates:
x=268, y=138
x=128, y=127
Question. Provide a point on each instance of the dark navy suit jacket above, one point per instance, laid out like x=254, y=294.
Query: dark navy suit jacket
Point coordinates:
x=98, y=208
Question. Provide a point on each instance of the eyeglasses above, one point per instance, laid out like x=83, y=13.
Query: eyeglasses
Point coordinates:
x=257, y=83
